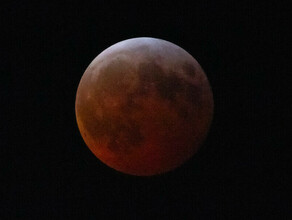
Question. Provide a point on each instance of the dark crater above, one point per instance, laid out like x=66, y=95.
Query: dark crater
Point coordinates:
x=166, y=85
x=189, y=69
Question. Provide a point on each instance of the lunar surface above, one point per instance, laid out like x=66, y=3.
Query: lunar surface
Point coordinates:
x=144, y=106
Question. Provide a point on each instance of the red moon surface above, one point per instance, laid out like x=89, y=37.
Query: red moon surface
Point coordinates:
x=144, y=106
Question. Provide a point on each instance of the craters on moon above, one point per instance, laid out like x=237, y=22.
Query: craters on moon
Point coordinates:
x=144, y=106
x=120, y=89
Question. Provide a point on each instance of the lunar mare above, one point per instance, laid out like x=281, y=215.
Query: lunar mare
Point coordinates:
x=144, y=106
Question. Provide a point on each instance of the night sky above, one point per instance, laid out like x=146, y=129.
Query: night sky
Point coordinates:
x=242, y=167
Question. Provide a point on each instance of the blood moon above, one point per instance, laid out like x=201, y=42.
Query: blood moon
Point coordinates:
x=144, y=106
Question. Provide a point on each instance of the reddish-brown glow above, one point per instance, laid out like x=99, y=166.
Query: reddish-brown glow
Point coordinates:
x=144, y=106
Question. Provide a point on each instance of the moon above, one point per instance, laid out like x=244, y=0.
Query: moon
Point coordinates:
x=144, y=106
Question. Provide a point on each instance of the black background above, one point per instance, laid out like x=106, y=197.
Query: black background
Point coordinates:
x=242, y=168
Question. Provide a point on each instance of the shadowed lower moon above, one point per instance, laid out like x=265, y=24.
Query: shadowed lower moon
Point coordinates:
x=144, y=106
